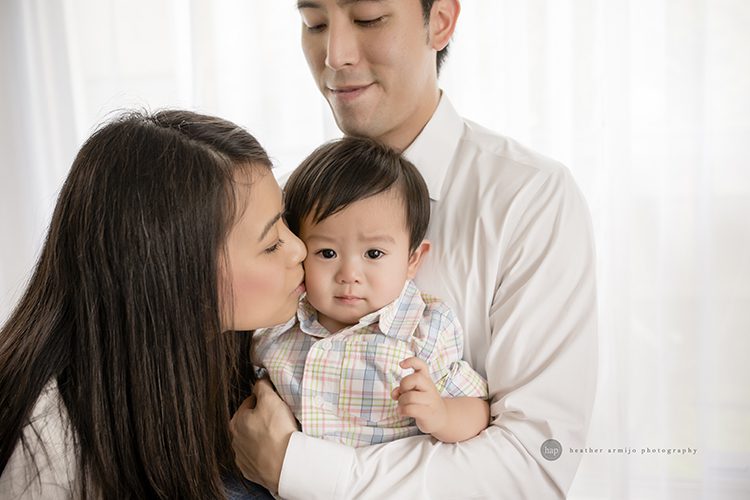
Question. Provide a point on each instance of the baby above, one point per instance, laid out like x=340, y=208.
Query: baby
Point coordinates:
x=368, y=358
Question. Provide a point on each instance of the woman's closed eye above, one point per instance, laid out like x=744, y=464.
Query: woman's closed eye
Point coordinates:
x=273, y=248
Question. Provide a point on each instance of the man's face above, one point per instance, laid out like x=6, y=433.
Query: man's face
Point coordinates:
x=374, y=63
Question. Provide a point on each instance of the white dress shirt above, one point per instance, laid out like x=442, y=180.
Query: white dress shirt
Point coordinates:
x=512, y=254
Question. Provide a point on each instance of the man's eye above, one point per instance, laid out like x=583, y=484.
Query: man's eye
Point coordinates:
x=374, y=254
x=370, y=22
x=327, y=253
x=315, y=28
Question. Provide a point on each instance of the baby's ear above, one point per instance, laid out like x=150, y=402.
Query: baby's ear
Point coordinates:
x=415, y=259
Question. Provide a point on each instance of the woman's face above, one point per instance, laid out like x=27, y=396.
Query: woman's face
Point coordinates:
x=264, y=258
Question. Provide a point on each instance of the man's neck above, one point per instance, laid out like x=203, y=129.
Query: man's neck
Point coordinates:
x=402, y=138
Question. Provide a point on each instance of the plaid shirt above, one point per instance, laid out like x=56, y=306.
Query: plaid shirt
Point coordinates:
x=339, y=384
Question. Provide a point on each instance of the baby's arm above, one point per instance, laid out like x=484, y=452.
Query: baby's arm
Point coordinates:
x=448, y=419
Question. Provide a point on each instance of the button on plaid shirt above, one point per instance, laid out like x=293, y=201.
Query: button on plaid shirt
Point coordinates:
x=339, y=384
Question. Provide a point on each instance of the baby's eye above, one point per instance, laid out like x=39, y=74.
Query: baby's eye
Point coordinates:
x=326, y=253
x=374, y=254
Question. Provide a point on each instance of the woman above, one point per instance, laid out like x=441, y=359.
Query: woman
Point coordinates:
x=123, y=362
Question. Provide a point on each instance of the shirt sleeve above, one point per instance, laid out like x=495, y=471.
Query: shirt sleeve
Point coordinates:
x=442, y=348
x=263, y=338
x=541, y=369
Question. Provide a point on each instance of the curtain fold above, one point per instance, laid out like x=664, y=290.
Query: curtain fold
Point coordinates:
x=37, y=132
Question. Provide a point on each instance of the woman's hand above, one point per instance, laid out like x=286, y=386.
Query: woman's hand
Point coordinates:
x=261, y=429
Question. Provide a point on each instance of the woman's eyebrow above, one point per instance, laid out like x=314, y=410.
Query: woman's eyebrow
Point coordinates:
x=269, y=225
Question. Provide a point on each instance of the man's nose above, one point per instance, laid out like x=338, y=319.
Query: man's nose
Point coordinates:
x=343, y=47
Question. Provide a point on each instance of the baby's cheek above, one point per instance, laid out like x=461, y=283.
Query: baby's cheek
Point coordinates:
x=313, y=281
x=314, y=294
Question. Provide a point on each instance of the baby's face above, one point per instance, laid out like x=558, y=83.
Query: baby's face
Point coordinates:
x=357, y=259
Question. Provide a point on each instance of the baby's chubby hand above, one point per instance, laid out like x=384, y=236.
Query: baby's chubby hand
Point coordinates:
x=419, y=399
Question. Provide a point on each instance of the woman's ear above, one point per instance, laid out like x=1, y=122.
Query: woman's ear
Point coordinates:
x=443, y=17
x=415, y=259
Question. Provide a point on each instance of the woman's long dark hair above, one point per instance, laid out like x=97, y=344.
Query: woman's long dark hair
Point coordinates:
x=123, y=309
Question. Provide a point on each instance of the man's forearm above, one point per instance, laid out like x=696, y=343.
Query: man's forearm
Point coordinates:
x=467, y=417
x=493, y=465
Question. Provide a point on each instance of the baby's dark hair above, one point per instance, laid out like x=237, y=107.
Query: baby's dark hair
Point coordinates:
x=346, y=170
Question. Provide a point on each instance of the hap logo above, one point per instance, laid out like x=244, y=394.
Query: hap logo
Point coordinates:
x=551, y=449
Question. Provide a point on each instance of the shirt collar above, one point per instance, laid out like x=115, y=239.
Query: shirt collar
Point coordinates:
x=308, y=319
x=433, y=149
x=399, y=319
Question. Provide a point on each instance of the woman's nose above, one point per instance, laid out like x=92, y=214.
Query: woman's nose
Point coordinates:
x=295, y=247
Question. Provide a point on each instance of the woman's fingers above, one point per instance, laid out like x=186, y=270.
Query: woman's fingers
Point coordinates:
x=262, y=387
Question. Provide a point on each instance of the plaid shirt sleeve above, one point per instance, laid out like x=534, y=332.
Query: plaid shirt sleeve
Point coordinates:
x=441, y=345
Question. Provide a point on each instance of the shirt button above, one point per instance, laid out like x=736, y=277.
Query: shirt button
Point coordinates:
x=325, y=345
x=318, y=401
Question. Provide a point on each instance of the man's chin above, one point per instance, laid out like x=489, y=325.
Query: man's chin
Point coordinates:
x=351, y=124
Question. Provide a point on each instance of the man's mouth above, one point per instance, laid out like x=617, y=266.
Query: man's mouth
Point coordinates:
x=347, y=92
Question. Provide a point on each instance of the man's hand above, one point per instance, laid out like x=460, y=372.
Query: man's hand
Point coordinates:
x=418, y=398
x=261, y=429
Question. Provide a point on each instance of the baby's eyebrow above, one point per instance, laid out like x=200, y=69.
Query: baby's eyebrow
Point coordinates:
x=320, y=237
x=379, y=237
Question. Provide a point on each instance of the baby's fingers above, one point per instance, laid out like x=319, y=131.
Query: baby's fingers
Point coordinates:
x=418, y=381
x=414, y=398
x=415, y=364
x=395, y=393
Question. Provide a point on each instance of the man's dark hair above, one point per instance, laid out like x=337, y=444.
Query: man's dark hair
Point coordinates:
x=442, y=54
x=341, y=172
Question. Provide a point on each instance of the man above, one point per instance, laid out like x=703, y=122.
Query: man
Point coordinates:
x=512, y=255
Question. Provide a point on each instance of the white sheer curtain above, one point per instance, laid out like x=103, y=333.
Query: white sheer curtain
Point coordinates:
x=647, y=102
x=36, y=137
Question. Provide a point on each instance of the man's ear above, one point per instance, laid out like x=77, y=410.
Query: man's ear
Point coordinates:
x=415, y=259
x=443, y=17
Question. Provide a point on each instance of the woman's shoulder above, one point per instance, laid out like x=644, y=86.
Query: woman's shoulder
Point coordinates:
x=44, y=466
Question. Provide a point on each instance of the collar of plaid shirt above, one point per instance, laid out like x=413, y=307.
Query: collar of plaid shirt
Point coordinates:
x=399, y=319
